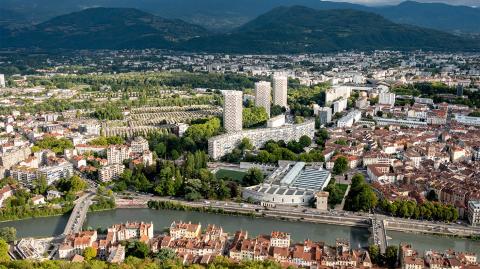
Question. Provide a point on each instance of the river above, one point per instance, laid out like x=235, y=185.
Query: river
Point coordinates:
x=43, y=227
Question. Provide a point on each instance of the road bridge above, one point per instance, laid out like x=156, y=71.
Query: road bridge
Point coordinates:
x=79, y=214
x=379, y=233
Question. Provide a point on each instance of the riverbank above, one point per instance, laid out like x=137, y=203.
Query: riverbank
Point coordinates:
x=35, y=213
x=359, y=237
x=315, y=216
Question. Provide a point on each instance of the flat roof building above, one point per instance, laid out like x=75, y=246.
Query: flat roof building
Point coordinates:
x=263, y=92
x=232, y=111
x=292, y=183
x=280, y=86
x=218, y=146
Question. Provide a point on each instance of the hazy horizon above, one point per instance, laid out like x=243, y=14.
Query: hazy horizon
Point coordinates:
x=472, y=3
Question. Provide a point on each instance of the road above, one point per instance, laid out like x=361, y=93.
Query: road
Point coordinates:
x=79, y=214
x=312, y=215
x=379, y=233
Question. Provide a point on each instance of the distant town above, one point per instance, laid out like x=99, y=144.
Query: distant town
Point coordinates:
x=385, y=141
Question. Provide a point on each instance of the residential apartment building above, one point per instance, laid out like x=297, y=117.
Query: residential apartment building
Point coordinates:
x=220, y=145
x=116, y=154
x=280, y=87
x=386, y=98
x=139, y=145
x=185, y=230
x=55, y=170
x=263, y=92
x=232, y=111
x=110, y=172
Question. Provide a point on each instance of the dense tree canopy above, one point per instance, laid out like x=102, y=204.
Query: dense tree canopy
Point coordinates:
x=361, y=196
x=254, y=117
x=340, y=166
x=57, y=145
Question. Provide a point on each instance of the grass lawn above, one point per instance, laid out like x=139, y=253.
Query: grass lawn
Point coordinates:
x=233, y=174
x=342, y=187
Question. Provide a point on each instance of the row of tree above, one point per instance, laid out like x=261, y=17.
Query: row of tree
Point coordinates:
x=427, y=210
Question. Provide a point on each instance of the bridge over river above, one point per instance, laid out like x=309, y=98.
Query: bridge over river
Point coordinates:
x=79, y=214
x=379, y=233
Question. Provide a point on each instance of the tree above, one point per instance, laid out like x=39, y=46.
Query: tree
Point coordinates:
x=305, y=141
x=254, y=117
x=4, y=257
x=254, y=176
x=166, y=254
x=361, y=196
x=40, y=185
x=56, y=145
x=160, y=149
x=391, y=256
x=276, y=110
x=245, y=144
x=340, y=166
x=374, y=252
x=138, y=249
x=9, y=234
x=89, y=253
x=74, y=184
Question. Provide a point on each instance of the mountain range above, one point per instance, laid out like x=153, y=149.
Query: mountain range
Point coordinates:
x=225, y=15
x=105, y=28
x=294, y=29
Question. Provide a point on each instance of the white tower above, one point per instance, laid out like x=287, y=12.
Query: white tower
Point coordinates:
x=263, y=90
x=2, y=81
x=280, y=84
x=232, y=111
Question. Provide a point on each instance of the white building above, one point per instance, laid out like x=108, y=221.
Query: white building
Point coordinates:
x=421, y=100
x=220, y=145
x=474, y=212
x=339, y=105
x=232, y=111
x=139, y=145
x=292, y=184
x=90, y=128
x=349, y=119
x=386, y=98
x=409, y=123
x=276, y=121
x=280, y=86
x=467, y=120
x=362, y=103
x=24, y=174
x=337, y=92
x=61, y=169
x=279, y=239
x=2, y=81
x=118, y=154
x=324, y=115
x=110, y=172
x=263, y=92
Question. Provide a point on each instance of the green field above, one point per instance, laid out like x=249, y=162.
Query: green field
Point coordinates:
x=342, y=187
x=233, y=174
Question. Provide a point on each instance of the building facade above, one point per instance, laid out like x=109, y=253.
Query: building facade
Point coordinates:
x=232, y=111
x=386, y=98
x=221, y=145
x=263, y=91
x=280, y=86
